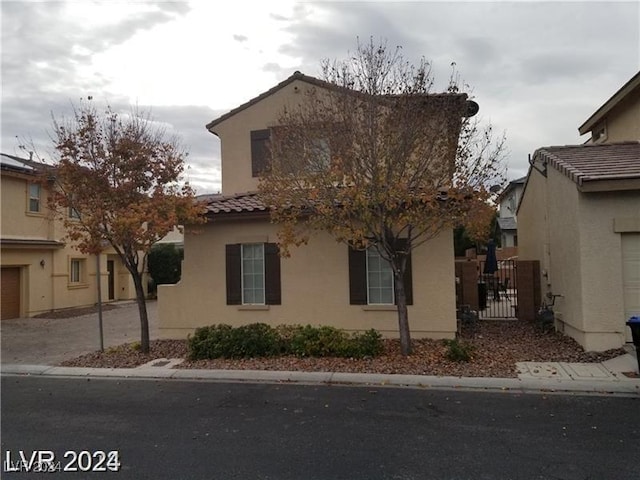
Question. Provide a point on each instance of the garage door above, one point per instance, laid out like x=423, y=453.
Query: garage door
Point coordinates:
x=10, y=299
x=631, y=276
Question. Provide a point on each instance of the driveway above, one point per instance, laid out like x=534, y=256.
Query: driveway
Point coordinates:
x=46, y=341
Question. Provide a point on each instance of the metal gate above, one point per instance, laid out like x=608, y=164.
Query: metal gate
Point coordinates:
x=498, y=292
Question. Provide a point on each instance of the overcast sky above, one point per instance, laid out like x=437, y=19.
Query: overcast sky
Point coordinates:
x=538, y=70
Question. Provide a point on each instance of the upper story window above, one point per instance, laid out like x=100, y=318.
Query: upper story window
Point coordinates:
x=259, y=151
x=320, y=154
x=599, y=133
x=74, y=214
x=34, y=197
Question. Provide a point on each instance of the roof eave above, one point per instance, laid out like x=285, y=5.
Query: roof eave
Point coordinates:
x=616, y=98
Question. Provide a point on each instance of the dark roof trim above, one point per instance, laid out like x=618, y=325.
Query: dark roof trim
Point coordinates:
x=472, y=107
x=615, y=99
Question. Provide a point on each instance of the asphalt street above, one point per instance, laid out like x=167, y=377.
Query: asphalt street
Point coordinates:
x=169, y=429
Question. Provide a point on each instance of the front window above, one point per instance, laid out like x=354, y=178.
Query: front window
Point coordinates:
x=34, y=197
x=253, y=274
x=379, y=279
x=76, y=270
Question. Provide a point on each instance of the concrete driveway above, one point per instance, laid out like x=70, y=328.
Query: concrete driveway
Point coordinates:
x=45, y=341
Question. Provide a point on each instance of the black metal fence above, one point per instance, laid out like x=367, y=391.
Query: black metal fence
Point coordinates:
x=498, y=291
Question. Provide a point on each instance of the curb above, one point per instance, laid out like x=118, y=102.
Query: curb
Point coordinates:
x=524, y=385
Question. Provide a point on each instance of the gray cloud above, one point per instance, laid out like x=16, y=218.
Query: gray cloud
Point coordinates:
x=537, y=69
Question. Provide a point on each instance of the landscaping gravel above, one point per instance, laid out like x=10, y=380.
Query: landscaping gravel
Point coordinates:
x=496, y=347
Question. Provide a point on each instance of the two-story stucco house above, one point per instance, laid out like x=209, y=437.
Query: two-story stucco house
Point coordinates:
x=580, y=217
x=232, y=272
x=507, y=222
x=40, y=271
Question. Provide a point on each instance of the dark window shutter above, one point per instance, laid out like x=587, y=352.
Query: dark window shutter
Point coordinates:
x=357, y=277
x=234, y=271
x=272, y=289
x=259, y=151
x=408, y=275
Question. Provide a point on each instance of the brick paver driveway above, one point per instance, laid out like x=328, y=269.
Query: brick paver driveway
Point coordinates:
x=46, y=341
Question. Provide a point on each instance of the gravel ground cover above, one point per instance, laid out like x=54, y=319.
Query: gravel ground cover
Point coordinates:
x=497, y=346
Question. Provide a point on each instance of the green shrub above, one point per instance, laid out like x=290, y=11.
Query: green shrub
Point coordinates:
x=458, y=351
x=224, y=341
x=261, y=340
x=165, y=263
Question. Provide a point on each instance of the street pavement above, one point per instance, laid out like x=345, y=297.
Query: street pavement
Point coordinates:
x=214, y=430
x=36, y=346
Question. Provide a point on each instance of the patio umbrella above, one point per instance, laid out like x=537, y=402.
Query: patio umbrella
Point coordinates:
x=490, y=263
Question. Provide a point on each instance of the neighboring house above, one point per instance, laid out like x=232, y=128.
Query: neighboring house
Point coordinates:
x=580, y=217
x=618, y=119
x=40, y=272
x=507, y=223
x=232, y=272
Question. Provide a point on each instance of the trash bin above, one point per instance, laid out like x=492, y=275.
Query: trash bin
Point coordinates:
x=634, y=325
x=482, y=296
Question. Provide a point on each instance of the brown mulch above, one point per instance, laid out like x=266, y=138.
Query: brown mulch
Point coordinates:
x=74, y=312
x=497, y=346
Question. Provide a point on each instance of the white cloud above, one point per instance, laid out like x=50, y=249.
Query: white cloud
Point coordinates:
x=538, y=69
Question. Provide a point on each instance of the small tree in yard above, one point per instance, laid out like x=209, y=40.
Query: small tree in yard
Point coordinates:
x=120, y=177
x=378, y=161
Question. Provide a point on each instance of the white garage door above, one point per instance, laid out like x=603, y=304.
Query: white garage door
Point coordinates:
x=631, y=276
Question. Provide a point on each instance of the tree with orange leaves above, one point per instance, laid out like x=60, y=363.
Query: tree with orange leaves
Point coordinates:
x=376, y=159
x=120, y=176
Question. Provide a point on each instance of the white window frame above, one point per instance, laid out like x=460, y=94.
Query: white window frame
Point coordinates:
x=33, y=198
x=242, y=274
x=369, y=251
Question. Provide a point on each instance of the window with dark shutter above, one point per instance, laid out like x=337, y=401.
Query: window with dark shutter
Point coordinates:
x=259, y=151
x=272, y=288
x=272, y=274
x=234, y=274
x=408, y=274
x=358, y=276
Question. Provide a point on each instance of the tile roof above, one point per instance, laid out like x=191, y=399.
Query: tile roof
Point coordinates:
x=592, y=162
x=237, y=203
x=472, y=107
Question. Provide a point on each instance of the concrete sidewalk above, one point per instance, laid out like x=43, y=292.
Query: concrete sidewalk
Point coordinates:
x=534, y=378
x=27, y=350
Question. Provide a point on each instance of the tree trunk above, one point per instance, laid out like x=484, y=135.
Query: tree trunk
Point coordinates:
x=142, y=309
x=403, y=315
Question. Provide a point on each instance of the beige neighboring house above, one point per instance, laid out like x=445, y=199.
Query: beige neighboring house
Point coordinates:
x=232, y=272
x=40, y=272
x=580, y=217
x=507, y=222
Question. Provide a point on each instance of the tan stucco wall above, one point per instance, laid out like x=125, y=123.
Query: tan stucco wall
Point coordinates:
x=235, y=131
x=623, y=122
x=601, y=253
x=573, y=236
x=315, y=287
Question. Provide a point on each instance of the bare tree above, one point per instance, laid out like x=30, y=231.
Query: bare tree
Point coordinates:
x=118, y=180
x=376, y=159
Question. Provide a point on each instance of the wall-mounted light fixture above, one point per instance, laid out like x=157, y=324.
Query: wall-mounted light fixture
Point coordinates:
x=42, y=263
